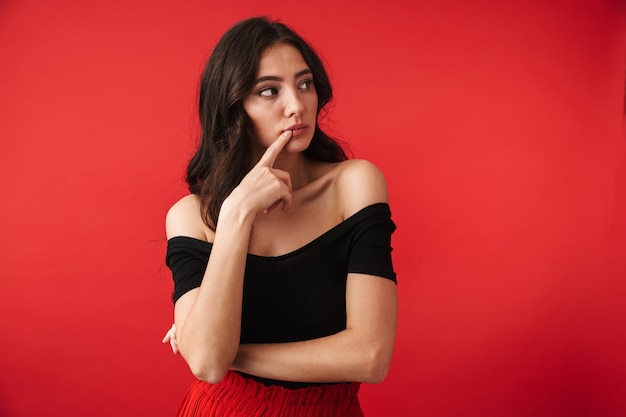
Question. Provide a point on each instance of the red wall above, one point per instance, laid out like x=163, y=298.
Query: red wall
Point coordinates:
x=496, y=123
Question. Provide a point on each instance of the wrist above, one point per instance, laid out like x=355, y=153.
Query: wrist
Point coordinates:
x=235, y=213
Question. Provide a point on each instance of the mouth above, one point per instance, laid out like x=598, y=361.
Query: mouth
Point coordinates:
x=297, y=129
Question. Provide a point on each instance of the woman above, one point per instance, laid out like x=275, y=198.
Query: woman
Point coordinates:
x=285, y=295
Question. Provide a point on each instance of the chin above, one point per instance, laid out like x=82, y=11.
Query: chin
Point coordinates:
x=298, y=144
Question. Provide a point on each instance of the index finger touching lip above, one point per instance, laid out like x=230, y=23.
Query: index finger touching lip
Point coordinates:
x=283, y=139
x=272, y=152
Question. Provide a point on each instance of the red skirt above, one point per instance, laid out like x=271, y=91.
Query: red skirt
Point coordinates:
x=237, y=396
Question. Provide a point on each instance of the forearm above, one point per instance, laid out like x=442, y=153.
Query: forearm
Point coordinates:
x=209, y=331
x=344, y=357
x=361, y=353
x=208, y=319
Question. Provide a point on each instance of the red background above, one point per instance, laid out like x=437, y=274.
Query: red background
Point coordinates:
x=498, y=125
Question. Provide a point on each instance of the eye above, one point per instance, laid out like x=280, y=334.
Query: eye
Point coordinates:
x=306, y=85
x=268, y=92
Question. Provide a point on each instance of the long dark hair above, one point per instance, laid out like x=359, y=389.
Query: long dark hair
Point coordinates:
x=223, y=155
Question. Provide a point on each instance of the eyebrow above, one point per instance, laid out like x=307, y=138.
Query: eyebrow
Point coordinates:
x=275, y=78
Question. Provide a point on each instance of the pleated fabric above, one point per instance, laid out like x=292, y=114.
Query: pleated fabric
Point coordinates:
x=237, y=396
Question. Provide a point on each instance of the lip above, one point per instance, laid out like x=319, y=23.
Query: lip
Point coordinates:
x=297, y=129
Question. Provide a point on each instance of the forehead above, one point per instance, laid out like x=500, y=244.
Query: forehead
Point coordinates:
x=281, y=58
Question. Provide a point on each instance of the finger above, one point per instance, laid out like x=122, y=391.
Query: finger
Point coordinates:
x=286, y=198
x=272, y=207
x=286, y=203
x=272, y=152
x=284, y=177
x=170, y=335
x=285, y=195
x=173, y=339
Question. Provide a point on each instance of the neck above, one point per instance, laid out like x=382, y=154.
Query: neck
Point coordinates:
x=299, y=169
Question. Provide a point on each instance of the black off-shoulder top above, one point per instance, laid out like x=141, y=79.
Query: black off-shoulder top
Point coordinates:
x=300, y=295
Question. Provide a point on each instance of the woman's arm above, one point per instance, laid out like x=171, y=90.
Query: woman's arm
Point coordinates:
x=208, y=318
x=361, y=353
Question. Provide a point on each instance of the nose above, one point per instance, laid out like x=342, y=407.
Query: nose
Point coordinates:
x=293, y=103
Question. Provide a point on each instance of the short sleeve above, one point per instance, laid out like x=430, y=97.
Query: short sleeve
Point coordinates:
x=371, y=246
x=187, y=258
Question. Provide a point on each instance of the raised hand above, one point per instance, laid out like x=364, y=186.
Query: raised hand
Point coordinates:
x=265, y=187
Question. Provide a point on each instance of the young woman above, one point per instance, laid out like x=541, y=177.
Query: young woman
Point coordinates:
x=285, y=294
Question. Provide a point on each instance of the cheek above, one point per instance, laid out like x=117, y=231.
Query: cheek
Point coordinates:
x=313, y=102
x=263, y=128
x=256, y=116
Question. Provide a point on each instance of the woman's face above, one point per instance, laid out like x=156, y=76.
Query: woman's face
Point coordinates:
x=283, y=98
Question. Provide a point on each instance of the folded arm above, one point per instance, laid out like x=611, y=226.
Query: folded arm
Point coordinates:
x=361, y=353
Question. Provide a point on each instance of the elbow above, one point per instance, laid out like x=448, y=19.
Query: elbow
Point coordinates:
x=205, y=372
x=376, y=374
x=207, y=367
x=213, y=377
x=209, y=364
x=376, y=366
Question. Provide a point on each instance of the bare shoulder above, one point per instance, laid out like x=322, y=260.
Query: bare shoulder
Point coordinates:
x=184, y=219
x=360, y=183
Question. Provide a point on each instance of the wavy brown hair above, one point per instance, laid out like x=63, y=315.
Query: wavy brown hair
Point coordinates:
x=223, y=156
